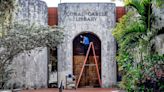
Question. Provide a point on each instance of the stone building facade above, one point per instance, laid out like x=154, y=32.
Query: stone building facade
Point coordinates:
x=96, y=18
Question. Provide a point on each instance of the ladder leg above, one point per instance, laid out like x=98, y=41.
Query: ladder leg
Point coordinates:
x=85, y=60
x=97, y=69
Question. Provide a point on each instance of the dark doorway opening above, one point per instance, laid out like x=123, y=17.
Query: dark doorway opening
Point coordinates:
x=89, y=77
x=52, y=68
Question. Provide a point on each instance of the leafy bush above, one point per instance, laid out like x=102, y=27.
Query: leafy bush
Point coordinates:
x=138, y=62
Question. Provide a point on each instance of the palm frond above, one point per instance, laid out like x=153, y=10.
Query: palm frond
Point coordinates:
x=137, y=5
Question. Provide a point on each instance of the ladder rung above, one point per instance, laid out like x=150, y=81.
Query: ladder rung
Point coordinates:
x=90, y=64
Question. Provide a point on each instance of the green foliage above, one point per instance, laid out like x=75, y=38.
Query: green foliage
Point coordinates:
x=137, y=4
x=152, y=69
x=144, y=8
x=137, y=62
x=131, y=79
x=7, y=8
x=129, y=31
x=30, y=37
x=6, y=4
x=153, y=64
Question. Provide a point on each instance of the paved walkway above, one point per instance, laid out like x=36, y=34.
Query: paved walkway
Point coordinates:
x=77, y=90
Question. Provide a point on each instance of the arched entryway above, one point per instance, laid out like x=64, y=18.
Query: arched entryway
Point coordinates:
x=89, y=77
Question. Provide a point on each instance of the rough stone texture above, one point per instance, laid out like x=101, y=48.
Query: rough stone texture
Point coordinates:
x=159, y=44
x=159, y=40
x=159, y=12
x=32, y=12
x=76, y=18
x=30, y=70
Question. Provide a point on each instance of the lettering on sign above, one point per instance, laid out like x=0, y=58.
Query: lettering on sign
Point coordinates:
x=86, y=13
x=85, y=16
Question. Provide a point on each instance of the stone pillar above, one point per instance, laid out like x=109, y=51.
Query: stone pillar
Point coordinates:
x=31, y=12
x=30, y=69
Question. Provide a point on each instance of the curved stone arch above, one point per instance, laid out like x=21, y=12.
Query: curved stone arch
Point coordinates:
x=92, y=32
x=78, y=57
x=91, y=35
x=97, y=34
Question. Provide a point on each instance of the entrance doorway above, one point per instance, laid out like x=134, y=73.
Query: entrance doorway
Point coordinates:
x=89, y=77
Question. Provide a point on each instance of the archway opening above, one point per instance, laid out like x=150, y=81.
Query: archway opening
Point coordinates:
x=89, y=76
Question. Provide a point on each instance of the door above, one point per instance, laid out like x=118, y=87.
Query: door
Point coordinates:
x=89, y=77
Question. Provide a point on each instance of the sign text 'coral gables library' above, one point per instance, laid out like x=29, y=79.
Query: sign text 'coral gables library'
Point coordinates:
x=85, y=16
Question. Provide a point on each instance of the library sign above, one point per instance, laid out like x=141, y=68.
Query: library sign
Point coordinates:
x=85, y=16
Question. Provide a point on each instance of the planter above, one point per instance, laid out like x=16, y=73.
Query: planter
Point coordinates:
x=6, y=90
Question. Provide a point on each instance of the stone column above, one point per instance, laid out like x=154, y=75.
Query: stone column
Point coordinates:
x=30, y=69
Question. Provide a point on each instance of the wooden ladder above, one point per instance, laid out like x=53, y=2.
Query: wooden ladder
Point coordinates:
x=84, y=63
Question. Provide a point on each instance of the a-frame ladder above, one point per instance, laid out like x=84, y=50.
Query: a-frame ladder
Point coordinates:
x=85, y=60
